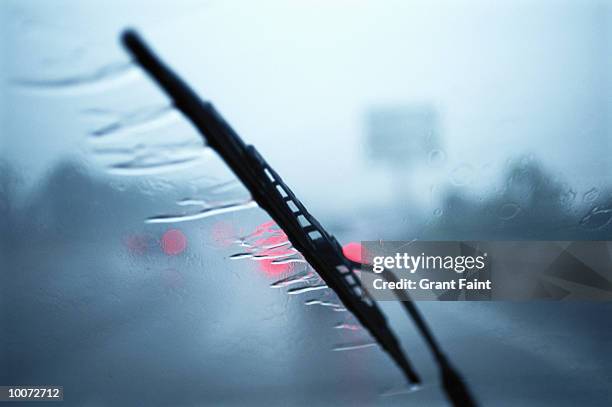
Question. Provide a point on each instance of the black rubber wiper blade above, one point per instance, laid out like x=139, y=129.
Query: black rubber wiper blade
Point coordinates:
x=320, y=249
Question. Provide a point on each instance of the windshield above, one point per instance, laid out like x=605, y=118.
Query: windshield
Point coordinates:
x=130, y=248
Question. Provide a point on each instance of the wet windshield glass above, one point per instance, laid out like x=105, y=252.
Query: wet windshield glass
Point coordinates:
x=131, y=248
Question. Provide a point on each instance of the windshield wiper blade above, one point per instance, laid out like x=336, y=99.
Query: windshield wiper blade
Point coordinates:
x=320, y=249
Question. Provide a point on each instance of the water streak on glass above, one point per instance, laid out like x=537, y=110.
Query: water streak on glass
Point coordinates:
x=301, y=277
x=591, y=195
x=100, y=77
x=203, y=213
x=239, y=256
x=509, y=210
x=356, y=346
x=143, y=119
x=302, y=290
x=350, y=327
x=400, y=390
x=268, y=243
x=597, y=218
x=289, y=260
x=149, y=165
x=323, y=303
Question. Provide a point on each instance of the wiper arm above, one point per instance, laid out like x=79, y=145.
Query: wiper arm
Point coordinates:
x=320, y=249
